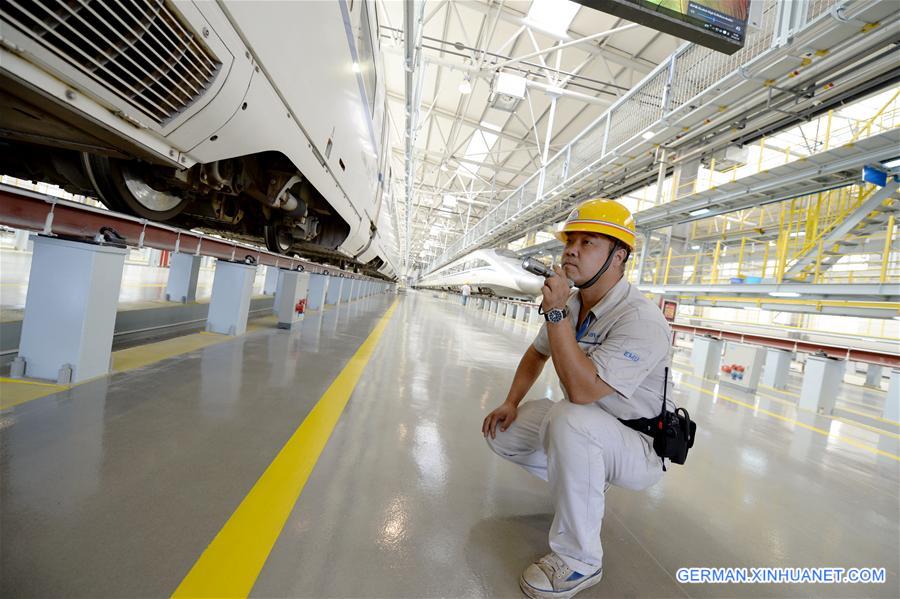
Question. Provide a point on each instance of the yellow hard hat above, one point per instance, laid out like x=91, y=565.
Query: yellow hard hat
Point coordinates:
x=600, y=216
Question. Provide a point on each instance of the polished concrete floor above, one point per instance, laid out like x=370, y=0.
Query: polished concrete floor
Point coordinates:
x=114, y=488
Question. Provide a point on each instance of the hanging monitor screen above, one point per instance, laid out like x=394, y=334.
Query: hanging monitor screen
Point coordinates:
x=717, y=24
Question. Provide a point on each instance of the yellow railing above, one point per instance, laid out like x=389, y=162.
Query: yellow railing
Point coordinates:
x=821, y=134
x=766, y=260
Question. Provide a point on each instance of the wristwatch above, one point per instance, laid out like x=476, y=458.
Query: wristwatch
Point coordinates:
x=556, y=314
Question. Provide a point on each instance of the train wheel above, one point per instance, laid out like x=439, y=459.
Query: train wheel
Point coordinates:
x=278, y=238
x=121, y=188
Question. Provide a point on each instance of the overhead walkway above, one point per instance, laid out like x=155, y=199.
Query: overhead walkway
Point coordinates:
x=834, y=168
x=695, y=94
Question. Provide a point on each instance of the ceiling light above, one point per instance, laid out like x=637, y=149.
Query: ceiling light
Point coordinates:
x=648, y=135
x=465, y=88
x=699, y=211
x=784, y=294
x=490, y=126
x=355, y=67
x=695, y=247
x=892, y=163
x=657, y=290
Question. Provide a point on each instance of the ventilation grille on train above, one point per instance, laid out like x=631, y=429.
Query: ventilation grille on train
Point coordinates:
x=137, y=49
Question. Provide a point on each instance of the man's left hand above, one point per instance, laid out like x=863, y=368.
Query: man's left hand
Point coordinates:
x=555, y=290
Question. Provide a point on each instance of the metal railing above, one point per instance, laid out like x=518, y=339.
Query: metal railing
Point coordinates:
x=760, y=245
x=697, y=70
x=671, y=86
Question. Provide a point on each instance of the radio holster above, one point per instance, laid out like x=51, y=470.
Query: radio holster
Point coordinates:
x=672, y=432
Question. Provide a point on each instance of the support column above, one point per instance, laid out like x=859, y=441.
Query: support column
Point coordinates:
x=524, y=313
x=873, y=376
x=706, y=356
x=778, y=364
x=318, y=287
x=270, y=286
x=230, y=303
x=184, y=270
x=333, y=293
x=892, y=399
x=21, y=240
x=821, y=383
x=291, y=301
x=642, y=262
x=70, y=310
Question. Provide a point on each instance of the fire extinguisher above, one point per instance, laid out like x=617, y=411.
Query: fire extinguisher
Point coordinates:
x=300, y=308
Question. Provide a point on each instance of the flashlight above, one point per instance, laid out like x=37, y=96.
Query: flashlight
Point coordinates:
x=536, y=267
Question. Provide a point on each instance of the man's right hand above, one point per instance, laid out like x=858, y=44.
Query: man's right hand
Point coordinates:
x=502, y=417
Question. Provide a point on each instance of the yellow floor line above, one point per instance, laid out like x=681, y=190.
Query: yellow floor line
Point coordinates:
x=815, y=429
x=858, y=403
x=780, y=400
x=14, y=392
x=785, y=391
x=794, y=405
x=3, y=379
x=869, y=416
x=144, y=355
x=233, y=560
x=874, y=429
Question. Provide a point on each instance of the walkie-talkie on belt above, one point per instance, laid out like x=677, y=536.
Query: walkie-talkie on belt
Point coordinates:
x=673, y=432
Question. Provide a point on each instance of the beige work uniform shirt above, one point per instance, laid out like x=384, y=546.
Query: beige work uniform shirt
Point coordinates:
x=630, y=344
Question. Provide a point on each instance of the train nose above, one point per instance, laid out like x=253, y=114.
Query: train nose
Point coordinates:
x=531, y=284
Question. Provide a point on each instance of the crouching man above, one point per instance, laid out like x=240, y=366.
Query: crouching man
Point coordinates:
x=610, y=346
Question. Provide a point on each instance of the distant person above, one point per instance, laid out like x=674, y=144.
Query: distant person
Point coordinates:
x=610, y=346
x=466, y=292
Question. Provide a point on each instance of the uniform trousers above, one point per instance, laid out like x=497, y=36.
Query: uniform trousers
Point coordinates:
x=578, y=449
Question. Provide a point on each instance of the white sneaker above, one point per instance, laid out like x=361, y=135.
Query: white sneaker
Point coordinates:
x=550, y=578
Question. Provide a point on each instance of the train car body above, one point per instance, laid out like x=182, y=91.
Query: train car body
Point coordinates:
x=197, y=113
x=492, y=272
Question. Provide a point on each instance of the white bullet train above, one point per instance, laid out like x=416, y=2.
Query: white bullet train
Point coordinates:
x=490, y=272
x=262, y=121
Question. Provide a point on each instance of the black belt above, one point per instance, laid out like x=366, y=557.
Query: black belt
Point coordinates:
x=648, y=426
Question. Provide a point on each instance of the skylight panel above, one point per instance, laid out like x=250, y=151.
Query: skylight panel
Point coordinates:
x=552, y=16
x=477, y=151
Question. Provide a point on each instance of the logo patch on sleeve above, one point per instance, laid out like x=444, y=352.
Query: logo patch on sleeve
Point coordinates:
x=632, y=356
